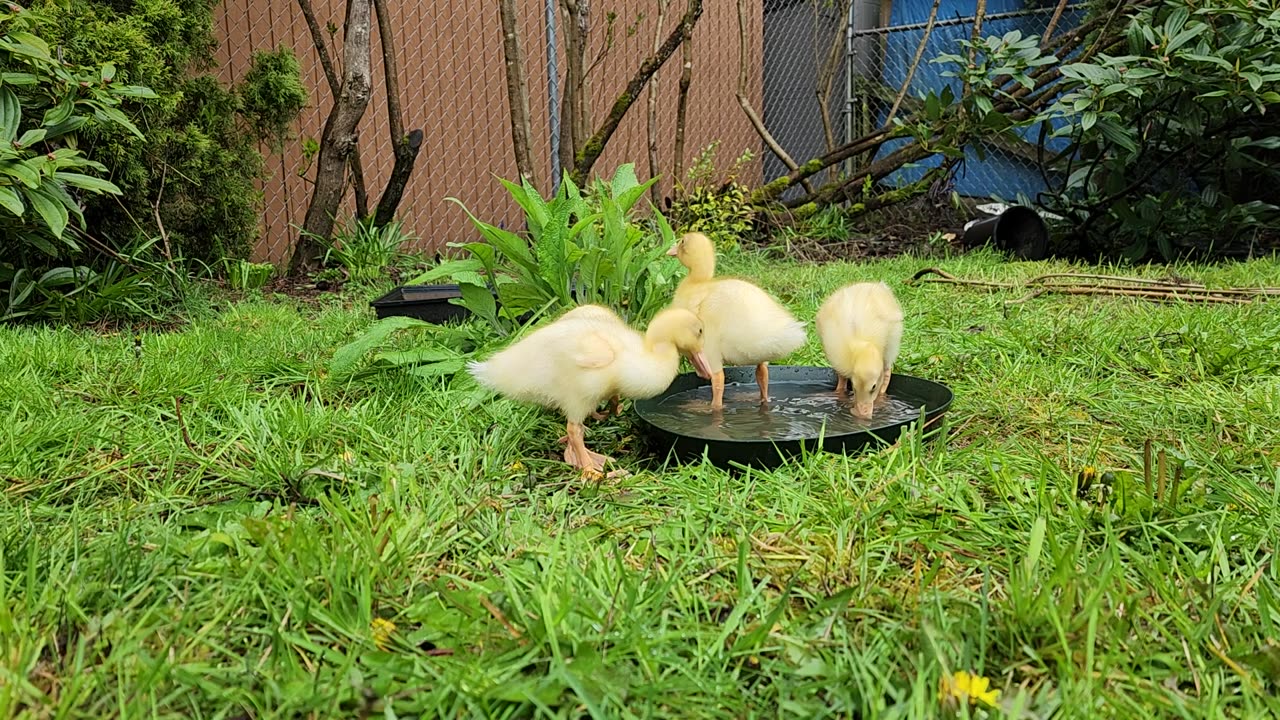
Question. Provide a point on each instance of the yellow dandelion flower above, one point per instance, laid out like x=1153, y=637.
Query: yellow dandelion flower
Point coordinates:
x=516, y=466
x=381, y=630
x=964, y=687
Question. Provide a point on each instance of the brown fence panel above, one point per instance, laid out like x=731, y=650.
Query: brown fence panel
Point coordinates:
x=453, y=87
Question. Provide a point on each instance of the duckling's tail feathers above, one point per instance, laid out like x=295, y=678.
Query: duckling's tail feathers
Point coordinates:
x=481, y=372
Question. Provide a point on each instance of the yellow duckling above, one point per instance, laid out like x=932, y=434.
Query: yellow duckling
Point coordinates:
x=744, y=324
x=584, y=357
x=860, y=326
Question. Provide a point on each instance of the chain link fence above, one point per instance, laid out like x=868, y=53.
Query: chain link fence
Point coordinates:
x=833, y=69
x=818, y=73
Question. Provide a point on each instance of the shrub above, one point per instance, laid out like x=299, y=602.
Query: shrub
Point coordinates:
x=200, y=158
x=717, y=207
x=584, y=248
x=1171, y=142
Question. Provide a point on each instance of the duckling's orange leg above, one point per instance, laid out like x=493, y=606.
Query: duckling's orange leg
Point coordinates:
x=841, y=384
x=762, y=379
x=577, y=454
x=717, y=389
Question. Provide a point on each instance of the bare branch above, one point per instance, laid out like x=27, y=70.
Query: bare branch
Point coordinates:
x=590, y=152
x=915, y=63
x=1053, y=23
x=654, y=194
x=682, y=109
x=743, y=101
x=517, y=88
x=406, y=148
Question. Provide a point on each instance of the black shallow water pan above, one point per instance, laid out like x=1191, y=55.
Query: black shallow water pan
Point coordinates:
x=934, y=398
x=425, y=302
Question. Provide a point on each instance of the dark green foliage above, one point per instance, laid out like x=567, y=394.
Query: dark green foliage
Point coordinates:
x=200, y=159
x=272, y=94
x=1172, y=147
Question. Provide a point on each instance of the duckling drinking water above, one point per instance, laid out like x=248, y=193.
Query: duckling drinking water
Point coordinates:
x=583, y=358
x=744, y=325
x=860, y=326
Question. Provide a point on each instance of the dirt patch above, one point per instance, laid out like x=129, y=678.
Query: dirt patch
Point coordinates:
x=889, y=232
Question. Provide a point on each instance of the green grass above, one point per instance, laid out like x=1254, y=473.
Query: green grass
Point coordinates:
x=239, y=573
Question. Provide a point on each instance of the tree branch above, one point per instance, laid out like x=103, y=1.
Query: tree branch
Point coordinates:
x=406, y=148
x=654, y=194
x=915, y=63
x=682, y=109
x=1053, y=24
x=827, y=71
x=590, y=152
x=745, y=103
x=331, y=75
x=517, y=88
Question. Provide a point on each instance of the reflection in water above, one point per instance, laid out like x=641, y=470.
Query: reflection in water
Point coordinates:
x=795, y=411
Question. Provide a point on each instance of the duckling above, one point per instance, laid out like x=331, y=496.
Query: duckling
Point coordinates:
x=744, y=325
x=574, y=363
x=860, y=326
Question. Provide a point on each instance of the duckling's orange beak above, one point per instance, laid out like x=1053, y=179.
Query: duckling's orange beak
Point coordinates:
x=674, y=250
x=700, y=365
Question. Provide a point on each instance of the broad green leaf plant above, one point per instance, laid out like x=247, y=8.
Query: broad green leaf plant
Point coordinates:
x=44, y=102
x=1171, y=142
x=582, y=248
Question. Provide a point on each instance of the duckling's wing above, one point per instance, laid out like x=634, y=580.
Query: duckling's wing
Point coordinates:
x=593, y=351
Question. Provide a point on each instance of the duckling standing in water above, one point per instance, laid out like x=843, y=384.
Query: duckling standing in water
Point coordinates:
x=860, y=326
x=584, y=357
x=743, y=324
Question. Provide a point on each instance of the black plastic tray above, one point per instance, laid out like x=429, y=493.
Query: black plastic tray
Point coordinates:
x=934, y=397
x=425, y=302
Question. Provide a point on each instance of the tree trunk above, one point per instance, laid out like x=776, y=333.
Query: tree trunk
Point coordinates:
x=573, y=107
x=517, y=88
x=338, y=140
x=405, y=147
x=591, y=150
x=682, y=112
x=326, y=64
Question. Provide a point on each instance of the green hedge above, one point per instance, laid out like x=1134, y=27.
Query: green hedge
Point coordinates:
x=200, y=158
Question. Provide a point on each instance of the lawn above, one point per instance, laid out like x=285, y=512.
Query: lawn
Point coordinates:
x=283, y=543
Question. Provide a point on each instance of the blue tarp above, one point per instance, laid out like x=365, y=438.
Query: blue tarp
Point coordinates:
x=998, y=173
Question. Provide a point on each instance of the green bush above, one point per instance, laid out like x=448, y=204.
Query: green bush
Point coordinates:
x=200, y=158
x=714, y=206
x=1172, y=147
x=583, y=248
x=45, y=106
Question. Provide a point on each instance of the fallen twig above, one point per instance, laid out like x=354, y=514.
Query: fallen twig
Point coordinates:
x=182, y=426
x=502, y=618
x=1162, y=290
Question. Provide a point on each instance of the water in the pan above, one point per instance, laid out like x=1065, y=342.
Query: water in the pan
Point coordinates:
x=795, y=411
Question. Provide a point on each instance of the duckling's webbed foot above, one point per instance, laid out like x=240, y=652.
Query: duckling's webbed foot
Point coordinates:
x=615, y=408
x=762, y=379
x=577, y=454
